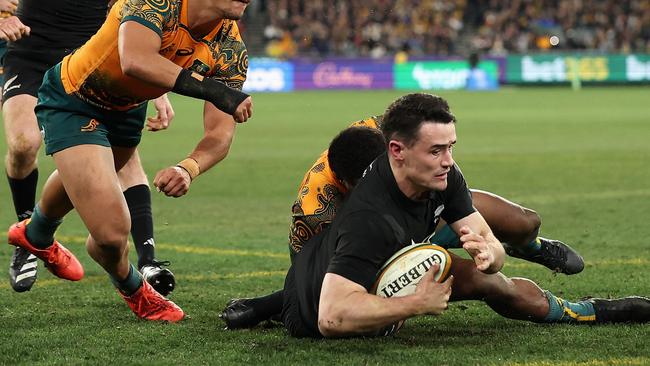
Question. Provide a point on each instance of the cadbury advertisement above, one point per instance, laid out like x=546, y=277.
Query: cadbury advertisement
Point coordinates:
x=343, y=74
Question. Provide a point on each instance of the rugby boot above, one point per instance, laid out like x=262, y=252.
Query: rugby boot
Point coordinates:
x=161, y=279
x=22, y=270
x=58, y=260
x=632, y=309
x=148, y=304
x=239, y=315
x=554, y=255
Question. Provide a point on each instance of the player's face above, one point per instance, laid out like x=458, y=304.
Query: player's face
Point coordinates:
x=427, y=162
x=232, y=9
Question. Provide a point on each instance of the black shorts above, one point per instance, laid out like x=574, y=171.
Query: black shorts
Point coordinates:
x=24, y=70
x=291, y=310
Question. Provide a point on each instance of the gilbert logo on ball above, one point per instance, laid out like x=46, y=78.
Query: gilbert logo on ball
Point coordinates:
x=403, y=271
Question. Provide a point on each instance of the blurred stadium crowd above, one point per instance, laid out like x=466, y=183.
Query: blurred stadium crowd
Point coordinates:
x=378, y=28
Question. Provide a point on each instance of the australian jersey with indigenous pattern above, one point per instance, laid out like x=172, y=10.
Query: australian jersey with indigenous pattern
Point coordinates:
x=319, y=196
x=94, y=74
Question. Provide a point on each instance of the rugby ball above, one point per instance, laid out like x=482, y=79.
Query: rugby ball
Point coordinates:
x=403, y=271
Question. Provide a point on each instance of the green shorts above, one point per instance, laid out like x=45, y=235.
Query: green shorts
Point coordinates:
x=66, y=121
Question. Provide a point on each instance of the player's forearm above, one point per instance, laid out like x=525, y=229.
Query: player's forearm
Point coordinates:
x=211, y=150
x=346, y=308
x=364, y=313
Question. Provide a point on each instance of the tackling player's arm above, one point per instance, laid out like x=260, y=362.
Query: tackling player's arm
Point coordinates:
x=479, y=241
x=346, y=308
x=139, y=48
x=219, y=130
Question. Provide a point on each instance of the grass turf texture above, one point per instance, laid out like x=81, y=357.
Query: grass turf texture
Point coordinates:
x=579, y=158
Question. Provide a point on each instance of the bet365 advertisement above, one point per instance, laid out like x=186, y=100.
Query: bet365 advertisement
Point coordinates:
x=587, y=68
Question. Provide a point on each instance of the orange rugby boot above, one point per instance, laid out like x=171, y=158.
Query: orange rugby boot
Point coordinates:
x=148, y=304
x=58, y=260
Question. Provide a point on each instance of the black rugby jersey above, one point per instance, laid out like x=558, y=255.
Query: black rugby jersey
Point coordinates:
x=59, y=24
x=375, y=222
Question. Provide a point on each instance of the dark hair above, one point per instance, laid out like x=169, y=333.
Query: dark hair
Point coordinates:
x=352, y=150
x=404, y=116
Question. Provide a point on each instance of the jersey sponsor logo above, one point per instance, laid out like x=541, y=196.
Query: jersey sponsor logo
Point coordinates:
x=91, y=126
x=8, y=85
x=184, y=51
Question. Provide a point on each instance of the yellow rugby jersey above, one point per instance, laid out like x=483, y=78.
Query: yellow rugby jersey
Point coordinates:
x=319, y=196
x=93, y=72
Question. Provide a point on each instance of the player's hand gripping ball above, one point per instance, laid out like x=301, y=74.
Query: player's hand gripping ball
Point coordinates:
x=403, y=271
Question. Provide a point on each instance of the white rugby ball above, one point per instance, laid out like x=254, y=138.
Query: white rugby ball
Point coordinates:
x=403, y=271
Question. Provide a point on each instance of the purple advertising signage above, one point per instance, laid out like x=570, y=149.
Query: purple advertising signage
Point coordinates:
x=343, y=74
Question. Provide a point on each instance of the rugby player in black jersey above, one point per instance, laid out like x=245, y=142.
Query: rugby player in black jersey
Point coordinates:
x=40, y=34
x=403, y=195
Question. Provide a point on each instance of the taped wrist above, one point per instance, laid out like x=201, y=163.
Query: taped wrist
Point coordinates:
x=191, y=166
x=222, y=96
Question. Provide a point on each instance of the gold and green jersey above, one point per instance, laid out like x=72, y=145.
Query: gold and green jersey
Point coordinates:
x=319, y=196
x=94, y=74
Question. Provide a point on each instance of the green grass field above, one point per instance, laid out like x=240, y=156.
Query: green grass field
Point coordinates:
x=579, y=158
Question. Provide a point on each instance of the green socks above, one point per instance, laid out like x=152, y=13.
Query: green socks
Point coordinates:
x=130, y=284
x=40, y=230
x=562, y=311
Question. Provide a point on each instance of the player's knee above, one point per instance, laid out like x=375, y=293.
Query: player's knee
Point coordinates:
x=530, y=222
x=524, y=226
x=113, y=237
x=22, y=150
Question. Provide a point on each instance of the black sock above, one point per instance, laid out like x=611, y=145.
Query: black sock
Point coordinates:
x=267, y=306
x=23, y=192
x=139, y=200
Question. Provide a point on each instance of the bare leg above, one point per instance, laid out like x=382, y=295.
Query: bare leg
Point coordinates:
x=96, y=194
x=22, y=134
x=515, y=298
x=132, y=173
x=510, y=222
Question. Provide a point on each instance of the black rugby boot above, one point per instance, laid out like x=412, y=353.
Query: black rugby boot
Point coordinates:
x=22, y=270
x=632, y=309
x=238, y=314
x=160, y=278
x=554, y=255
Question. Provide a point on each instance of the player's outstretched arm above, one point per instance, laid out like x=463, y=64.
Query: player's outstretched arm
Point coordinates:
x=139, y=48
x=479, y=241
x=347, y=309
x=219, y=130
